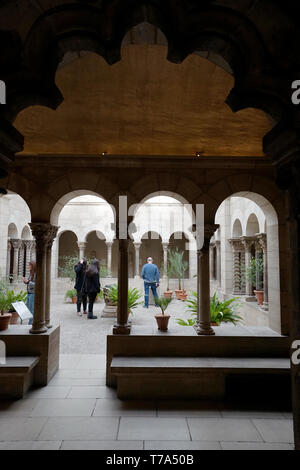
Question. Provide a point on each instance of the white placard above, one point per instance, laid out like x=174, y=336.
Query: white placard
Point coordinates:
x=22, y=310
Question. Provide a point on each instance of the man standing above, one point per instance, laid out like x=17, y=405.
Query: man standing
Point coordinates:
x=150, y=274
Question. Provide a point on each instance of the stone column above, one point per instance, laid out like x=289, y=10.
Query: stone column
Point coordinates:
x=29, y=245
x=263, y=243
x=41, y=232
x=81, y=246
x=258, y=253
x=247, y=243
x=211, y=261
x=52, y=232
x=238, y=260
x=165, y=246
x=109, y=250
x=122, y=326
x=137, y=247
x=218, y=254
x=203, y=284
x=8, y=258
x=33, y=251
x=21, y=261
x=16, y=244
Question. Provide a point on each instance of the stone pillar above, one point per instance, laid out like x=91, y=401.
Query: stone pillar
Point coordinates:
x=203, y=287
x=218, y=254
x=165, y=246
x=33, y=251
x=122, y=326
x=137, y=247
x=247, y=243
x=29, y=245
x=52, y=232
x=211, y=261
x=263, y=243
x=258, y=254
x=238, y=256
x=16, y=244
x=8, y=258
x=109, y=266
x=41, y=232
x=81, y=246
x=21, y=261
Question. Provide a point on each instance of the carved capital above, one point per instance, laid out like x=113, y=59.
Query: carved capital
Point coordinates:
x=16, y=243
x=247, y=242
x=44, y=234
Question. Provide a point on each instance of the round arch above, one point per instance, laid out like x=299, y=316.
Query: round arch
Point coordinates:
x=61, y=203
x=12, y=231
x=26, y=233
x=277, y=311
x=237, y=230
x=252, y=225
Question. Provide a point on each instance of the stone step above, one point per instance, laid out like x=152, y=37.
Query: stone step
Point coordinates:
x=194, y=377
x=17, y=376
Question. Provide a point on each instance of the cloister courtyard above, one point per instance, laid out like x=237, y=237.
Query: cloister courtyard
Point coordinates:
x=77, y=411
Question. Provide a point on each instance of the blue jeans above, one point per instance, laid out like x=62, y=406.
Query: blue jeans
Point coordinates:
x=30, y=305
x=147, y=285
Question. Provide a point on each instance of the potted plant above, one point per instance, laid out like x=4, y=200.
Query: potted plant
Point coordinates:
x=71, y=294
x=168, y=293
x=11, y=298
x=5, y=316
x=134, y=296
x=255, y=274
x=220, y=312
x=162, y=319
x=178, y=267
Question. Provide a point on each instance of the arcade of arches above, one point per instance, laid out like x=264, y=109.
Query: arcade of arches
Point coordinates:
x=138, y=105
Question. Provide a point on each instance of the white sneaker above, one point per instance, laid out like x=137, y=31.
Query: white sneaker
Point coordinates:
x=79, y=314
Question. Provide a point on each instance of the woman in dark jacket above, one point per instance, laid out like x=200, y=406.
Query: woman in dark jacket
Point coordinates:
x=80, y=270
x=92, y=285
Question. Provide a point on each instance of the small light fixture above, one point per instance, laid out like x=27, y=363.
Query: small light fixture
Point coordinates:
x=103, y=154
x=198, y=153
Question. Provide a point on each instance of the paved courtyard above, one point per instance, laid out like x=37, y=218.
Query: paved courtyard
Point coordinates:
x=77, y=411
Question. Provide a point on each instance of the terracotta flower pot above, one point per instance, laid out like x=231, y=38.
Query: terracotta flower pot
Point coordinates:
x=213, y=323
x=162, y=322
x=168, y=294
x=183, y=295
x=178, y=293
x=4, y=321
x=74, y=300
x=14, y=318
x=259, y=294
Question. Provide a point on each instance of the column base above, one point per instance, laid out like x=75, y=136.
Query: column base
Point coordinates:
x=265, y=306
x=122, y=329
x=38, y=331
x=137, y=276
x=205, y=329
x=48, y=326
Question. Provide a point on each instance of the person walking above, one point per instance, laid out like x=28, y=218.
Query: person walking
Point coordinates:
x=80, y=270
x=150, y=274
x=92, y=286
x=30, y=282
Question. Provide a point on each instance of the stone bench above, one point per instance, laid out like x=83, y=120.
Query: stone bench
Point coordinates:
x=191, y=377
x=17, y=376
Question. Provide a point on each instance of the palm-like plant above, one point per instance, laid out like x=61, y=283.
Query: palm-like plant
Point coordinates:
x=220, y=312
x=163, y=303
x=134, y=296
x=177, y=265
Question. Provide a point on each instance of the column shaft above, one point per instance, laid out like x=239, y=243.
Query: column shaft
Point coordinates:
x=122, y=326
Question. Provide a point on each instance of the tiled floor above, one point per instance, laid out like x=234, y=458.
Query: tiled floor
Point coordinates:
x=77, y=411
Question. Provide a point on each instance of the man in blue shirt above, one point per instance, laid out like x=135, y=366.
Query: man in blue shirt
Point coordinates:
x=150, y=274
